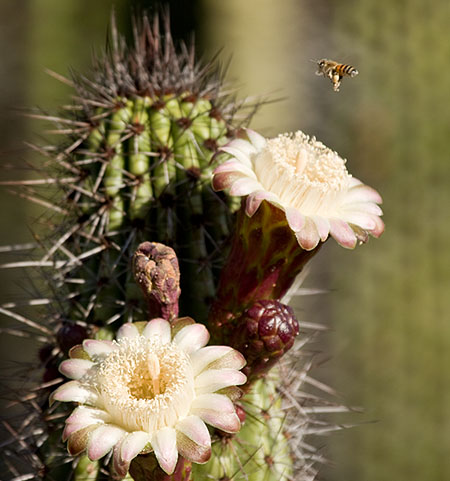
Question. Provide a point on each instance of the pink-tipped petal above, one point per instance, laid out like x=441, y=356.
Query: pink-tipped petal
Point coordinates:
x=215, y=379
x=158, y=327
x=127, y=449
x=379, y=227
x=193, y=440
x=255, y=198
x=164, y=443
x=191, y=338
x=78, y=441
x=75, y=368
x=83, y=417
x=120, y=468
x=72, y=428
x=88, y=415
x=295, y=219
x=102, y=440
x=343, y=234
x=72, y=391
x=244, y=186
x=323, y=227
x=252, y=204
x=235, y=166
x=364, y=207
x=216, y=357
x=218, y=411
x=133, y=444
x=256, y=139
x=363, y=193
x=308, y=237
x=194, y=428
x=97, y=348
x=237, y=154
x=224, y=180
x=127, y=330
x=365, y=221
x=239, y=148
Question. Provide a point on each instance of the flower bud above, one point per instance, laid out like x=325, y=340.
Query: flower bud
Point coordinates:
x=156, y=271
x=267, y=330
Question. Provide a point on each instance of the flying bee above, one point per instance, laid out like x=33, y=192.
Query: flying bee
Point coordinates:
x=335, y=71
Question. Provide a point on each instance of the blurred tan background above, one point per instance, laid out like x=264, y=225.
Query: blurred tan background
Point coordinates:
x=388, y=305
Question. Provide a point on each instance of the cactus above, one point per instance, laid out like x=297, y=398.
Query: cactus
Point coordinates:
x=141, y=142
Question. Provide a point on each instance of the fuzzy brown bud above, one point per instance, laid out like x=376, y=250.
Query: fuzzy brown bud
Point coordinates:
x=156, y=271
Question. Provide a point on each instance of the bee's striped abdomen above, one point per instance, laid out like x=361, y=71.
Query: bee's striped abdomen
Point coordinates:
x=343, y=69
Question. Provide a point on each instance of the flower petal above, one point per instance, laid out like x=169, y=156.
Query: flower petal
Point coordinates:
x=194, y=428
x=164, y=443
x=365, y=221
x=224, y=180
x=295, y=219
x=244, y=186
x=256, y=139
x=72, y=428
x=75, y=368
x=191, y=338
x=127, y=449
x=240, y=149
x=87, y=415
x=102, y=440
x=255, y=198
x=216, y=357
x=343, y=234
x=82, y=417
x=308, y=237
x=363, y=193
x=235, y=166
x=193, y=439
x=218, y=411
x=237, y=154
x=127, y=330
x=78, y=441
x=72, y=391
x=379, y=227
x=96, y=348
x=323, y=226
x=214, y=379
x=365, y=207
x=158, y=327
x=75, y=423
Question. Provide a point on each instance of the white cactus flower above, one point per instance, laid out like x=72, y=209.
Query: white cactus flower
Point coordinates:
x=149, y=391
x=305, y=179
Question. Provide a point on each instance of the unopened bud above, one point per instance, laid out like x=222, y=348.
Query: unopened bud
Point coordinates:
x=156, y=271
x=266, y=331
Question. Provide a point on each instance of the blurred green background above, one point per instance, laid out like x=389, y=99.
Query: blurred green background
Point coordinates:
x=388, y=305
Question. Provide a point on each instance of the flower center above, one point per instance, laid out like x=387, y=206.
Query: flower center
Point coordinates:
x=146, y=385
x=303, y=172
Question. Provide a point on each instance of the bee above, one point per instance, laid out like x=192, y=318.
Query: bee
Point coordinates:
x=335, y=71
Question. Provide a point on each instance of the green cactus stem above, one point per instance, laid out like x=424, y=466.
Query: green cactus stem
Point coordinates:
x=260, y=451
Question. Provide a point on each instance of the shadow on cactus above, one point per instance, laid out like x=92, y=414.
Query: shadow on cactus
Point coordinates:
x=140, y=163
